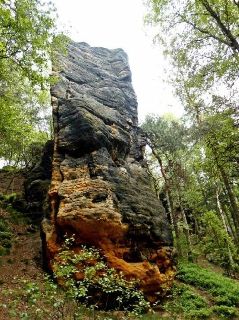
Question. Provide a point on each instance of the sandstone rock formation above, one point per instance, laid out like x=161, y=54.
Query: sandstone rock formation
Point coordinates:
x=100, y=190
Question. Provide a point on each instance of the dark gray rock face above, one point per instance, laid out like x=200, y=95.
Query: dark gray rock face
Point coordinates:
x=37, y=183
x=100, y=189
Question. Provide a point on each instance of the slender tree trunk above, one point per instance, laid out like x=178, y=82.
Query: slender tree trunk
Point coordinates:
x=186, y=231
x=154, y=180
x=170, y=201
x=231, y=230
x=196, y=228
x=231, y=261
x=234, y=208
x=233, y=201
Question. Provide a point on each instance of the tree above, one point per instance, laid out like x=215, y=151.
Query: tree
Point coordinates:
x=26, y=33
x=220, y=137
x=27, y=42
x=201, y=38
x=197, y=174
x=166, y=138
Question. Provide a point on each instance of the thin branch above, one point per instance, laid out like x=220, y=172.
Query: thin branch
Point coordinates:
x=232, y=40
x=204, y=31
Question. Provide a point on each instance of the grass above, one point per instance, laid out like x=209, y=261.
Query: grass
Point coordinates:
x=185, y=303
x=225, y=291
x=202, y=294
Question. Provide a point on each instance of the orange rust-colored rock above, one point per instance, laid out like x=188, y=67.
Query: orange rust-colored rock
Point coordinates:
x=100, y=190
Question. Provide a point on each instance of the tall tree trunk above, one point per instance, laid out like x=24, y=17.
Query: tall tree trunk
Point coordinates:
x=186, y=230
x=231, y=261
x=230, y=224
x=234, y=208
x=172, y=211
x=232, y=198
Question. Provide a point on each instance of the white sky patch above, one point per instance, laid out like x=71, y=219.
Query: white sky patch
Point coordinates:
x=119, y=24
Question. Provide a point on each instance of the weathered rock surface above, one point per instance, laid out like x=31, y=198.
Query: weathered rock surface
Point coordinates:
x=37, y=183
x=100, y=189
x=11, y=181
x=29, y=186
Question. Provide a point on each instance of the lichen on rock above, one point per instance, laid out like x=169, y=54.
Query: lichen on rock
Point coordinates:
x=100, y=189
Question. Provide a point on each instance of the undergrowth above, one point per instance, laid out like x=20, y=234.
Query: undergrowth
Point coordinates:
x=184, y=303
x=203, y=294
x=101, y=288
x=225, y=291
x=88, y=279
x=88, y=285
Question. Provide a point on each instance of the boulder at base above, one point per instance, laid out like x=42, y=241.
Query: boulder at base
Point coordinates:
x=100, y=190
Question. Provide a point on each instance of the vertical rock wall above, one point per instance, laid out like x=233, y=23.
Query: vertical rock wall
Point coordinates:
x=100, y=189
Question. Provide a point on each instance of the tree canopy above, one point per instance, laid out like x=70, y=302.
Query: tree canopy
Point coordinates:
x=201, y=38
x=27, y=41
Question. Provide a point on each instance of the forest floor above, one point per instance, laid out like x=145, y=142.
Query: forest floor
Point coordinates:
x=22, y=261
x=201, y=291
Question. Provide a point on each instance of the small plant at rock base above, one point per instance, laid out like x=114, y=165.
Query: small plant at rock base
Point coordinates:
x=87, y=278
x=87, y=285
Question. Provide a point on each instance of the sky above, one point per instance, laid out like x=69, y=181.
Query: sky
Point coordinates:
x=119, y=24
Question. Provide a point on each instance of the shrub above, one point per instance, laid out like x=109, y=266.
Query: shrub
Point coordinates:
x=101, y=288
x=99, y=285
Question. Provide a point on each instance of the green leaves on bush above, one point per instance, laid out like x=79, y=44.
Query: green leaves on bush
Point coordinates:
x=101, y=288
x=97, y=284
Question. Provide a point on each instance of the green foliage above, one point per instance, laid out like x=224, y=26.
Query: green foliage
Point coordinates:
x=194, y=169
x=7, y=203
x=203, y=295
x=100, y=285
x=168, y=140
x=225, y=312
x=187, y=303
x=225, y=291
x=216, y=244
x=27, y=42
x=33, y=301
x=167, y=133
x=27, y=30
x=200, y=37
x=21, y=146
